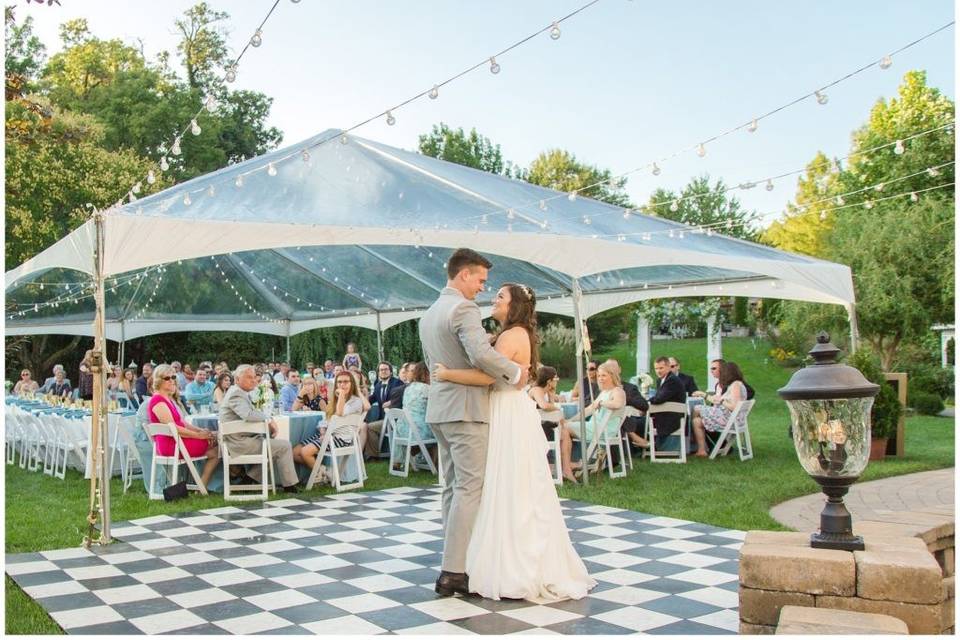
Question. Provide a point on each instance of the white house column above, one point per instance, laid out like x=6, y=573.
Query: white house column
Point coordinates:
x=643, y=344
x=714, y=348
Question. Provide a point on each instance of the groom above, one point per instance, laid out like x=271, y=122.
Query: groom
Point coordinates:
x=451, y=333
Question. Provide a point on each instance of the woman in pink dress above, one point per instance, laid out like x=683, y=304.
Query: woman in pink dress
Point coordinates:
x=165, y=407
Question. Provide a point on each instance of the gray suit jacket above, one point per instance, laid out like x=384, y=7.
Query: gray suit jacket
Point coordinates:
x=451, y=333
x=236, y=406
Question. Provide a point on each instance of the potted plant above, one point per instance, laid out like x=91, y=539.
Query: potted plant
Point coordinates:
x=885, y=414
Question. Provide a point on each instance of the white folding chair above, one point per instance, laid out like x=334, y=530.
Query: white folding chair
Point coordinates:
x=736, y=429
x=12, y=435
x=554, y=416
x=387, y=430
x=129, y=453
x=346, y=429
x=29, y=442
x=628, y=412
x=679, y=455
x=262, y=458
x=180, y=456
x=78, y=441
x=406, y=442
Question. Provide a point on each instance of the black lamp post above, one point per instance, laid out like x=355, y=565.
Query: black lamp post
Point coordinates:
x=830, y=410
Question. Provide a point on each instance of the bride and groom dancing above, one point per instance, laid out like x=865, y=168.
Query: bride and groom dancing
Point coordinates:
x=504, y=533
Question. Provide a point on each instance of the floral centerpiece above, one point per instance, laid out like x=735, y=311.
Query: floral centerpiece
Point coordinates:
x=645, y=382
x=262, y=397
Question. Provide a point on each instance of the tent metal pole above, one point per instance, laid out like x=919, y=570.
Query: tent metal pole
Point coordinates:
x=854, y=327
x=379, y=340
x=123, y=345
x=99, y=436
x=578, y=332
x=288, y=341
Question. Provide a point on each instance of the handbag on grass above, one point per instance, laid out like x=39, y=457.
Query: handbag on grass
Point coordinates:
x=175, y=491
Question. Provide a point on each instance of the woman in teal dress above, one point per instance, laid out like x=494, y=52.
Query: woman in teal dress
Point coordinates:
x=415, y=402
x=611, y=398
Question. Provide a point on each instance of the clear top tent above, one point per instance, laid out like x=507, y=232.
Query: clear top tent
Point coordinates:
x=339, y=230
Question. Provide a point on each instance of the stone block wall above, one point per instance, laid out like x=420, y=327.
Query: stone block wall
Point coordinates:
x=910, y=578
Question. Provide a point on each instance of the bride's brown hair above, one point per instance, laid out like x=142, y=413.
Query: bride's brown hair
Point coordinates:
x=522, y=312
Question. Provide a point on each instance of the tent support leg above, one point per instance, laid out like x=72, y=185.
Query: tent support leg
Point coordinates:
x=379, y=340
x=854, y=328
x=288, y=341
x=714, y=348
x=99, y=436
x=578, y=332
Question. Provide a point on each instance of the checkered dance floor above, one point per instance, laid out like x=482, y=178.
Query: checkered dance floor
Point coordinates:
x=366, y=563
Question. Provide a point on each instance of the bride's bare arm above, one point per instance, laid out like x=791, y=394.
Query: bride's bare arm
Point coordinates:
x=513, y=343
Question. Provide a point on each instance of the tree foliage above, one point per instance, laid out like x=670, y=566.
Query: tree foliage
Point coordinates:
x=560, y=170
x=25, y=55
x=202, y=46
x=469, y=149
x=808, y=221
x=699, y=204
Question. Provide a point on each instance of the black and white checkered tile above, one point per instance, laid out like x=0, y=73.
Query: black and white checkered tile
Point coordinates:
x=366, y=563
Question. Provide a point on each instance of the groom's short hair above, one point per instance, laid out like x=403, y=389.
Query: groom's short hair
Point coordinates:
x=463, y=258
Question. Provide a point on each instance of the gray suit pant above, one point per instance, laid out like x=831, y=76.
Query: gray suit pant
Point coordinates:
x=280, y=449
x=463, y=450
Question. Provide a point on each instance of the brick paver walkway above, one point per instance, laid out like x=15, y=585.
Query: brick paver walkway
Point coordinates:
x=880, y=500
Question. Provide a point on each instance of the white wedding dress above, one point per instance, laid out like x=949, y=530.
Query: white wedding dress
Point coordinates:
x=520, y=547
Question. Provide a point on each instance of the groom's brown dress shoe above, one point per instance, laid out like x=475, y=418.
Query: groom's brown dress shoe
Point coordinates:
x=450, y=583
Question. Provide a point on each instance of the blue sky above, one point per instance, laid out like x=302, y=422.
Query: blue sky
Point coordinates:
x=627, y=82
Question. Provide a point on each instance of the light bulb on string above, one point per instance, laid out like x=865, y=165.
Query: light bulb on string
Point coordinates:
x=868, y=204
x=239, y=181
x=543, y=205
x=914, y=197
x=136, y=188
x=555, y=31
x=752, y=126
x=674, y=206
x=586, y=219
x=655, y=170
x=821, y=97
x=343, y=139
x=257, y=39
x=933, y=172
x=231, y=75
x=194, y=127
x=186, y=199
x=572, y=196
x=211, y=191
x=626, y=214
x=886, y=62
x=879, y=186
x=494, y=66
x=271, y=169
x=390, y=119
x=434, y=92
x=210, y=103
x=769, y=186
x=151, y=177
x=175, y=149
x=701, y=150
x=305, y=155
x=899, y=148
x=164, y=165
x=510, y=214
x=839, y=200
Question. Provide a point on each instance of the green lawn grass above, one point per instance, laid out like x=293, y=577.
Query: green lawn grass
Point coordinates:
x=46, y=513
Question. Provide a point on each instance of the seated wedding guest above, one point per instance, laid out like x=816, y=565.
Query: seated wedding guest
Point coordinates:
x=127, y=388
x=670, y=389
x=237, y=406
x=223, y=366
x=689, y=384
x=224, y=382
x=281, y=375
x=267, y=379
x=188, y=374
x=328, y=369
x=60, y=386
x=588, y=386
x=49, y=381
x=164, y=407
x=394, y=400
x=632, y=425
x=610, y=398
x=288, y=394
x=200, y=391
x=86, y=377
x=144, y=384
x=113, y=381
x=715, y=366
x=181, y=379
x=415, y=400
x=380, y=398
x=544, y=393
x=25, y=385
x=347, y=402
x=309, y=397
x=714, y=418
x=352, y=358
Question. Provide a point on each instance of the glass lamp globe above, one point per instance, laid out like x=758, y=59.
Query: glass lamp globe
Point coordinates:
x=830, y=415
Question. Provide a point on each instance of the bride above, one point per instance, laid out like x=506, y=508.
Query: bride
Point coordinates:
x=520, y=547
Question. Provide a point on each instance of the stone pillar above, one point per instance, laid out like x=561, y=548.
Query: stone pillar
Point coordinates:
x=714, y=348
x=643, y=345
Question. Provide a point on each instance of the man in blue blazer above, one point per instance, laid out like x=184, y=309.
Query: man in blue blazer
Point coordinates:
x=386, y=382
x=670, y=389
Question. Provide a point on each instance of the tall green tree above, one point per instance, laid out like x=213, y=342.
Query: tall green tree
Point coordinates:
x=560, y=170
x=808, y=220
x=202, y=46
x=469, y=149
x=699, y=203
x=25, y=54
